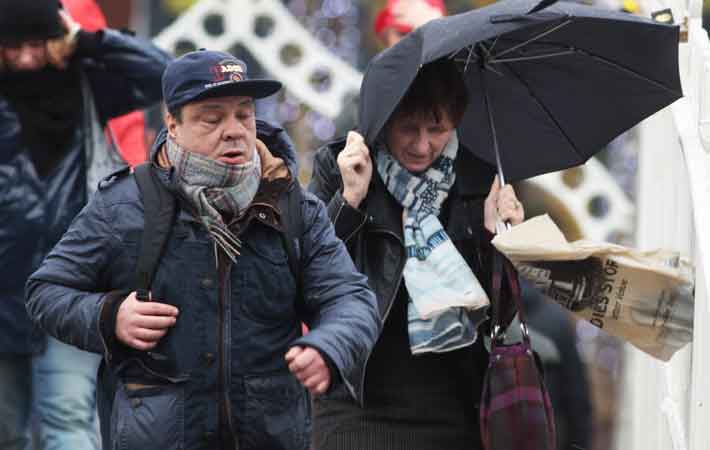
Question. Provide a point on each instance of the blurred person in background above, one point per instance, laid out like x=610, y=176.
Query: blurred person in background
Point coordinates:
x=400, y=17
x=392, y=23
x=59, y=85
x=127, y=132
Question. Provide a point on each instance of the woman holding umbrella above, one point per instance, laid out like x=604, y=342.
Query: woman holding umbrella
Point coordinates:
x=417, y=211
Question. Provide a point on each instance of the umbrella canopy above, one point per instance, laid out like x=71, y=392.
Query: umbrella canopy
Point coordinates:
x=550, y=84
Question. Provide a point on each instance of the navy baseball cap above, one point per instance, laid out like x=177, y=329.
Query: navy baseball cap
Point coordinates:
x=205, y=73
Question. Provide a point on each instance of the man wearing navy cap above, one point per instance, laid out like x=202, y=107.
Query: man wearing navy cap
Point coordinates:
x=226, y=310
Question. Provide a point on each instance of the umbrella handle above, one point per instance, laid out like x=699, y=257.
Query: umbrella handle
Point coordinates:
x=494, y=135
x=504, y=226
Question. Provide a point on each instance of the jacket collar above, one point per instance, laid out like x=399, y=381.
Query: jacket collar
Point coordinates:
x=382, y=208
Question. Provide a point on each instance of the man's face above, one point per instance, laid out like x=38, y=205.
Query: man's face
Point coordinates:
x=25, y=56
x=222, y=128
x=416, y=141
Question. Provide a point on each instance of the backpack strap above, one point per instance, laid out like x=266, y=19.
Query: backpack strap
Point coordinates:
x=160, y=204
x=159, y=213
x=292, y=218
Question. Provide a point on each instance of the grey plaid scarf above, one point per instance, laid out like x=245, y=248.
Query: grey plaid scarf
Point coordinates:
x=216, y=190
x=445, y=298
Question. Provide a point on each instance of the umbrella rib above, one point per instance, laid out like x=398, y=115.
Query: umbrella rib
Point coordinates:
x=535, y=38
x=493, y=45
x=529, y=58
x=547, y=111
x=491, y=69
x=487, y=57
x=471, y=55
x=588, y=54
x=629, y=71
x=468, y=58
x=484, y=48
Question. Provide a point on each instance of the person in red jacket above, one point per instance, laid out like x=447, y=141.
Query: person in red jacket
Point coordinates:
x=127, y=132
x=399, y=17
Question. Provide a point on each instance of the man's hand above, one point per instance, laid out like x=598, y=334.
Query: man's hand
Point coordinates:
x=140, y=325
x=502, y=204
x=59, y=50
x=355, y=168
x=308, y=366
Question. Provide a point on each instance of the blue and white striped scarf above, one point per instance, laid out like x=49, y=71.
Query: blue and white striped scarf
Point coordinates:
x=446, y=301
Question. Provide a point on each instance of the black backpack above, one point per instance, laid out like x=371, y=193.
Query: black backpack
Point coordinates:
x=162, y=204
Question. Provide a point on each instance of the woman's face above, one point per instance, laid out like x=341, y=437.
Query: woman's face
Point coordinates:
x=416, y=141
x=26, y=56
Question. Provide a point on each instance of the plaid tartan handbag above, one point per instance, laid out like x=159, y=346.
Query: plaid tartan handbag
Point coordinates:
x=516, y=413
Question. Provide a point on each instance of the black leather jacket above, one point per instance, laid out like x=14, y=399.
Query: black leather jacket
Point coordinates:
x=373, y=233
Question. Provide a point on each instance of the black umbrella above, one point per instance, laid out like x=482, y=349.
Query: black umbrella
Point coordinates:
x=550, y=83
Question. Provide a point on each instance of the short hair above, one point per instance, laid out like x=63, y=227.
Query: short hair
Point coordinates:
x=437, y=88
x=176, y=112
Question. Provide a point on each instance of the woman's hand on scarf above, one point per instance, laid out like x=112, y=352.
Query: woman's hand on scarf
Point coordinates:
x=502, y=205
x=355, y=167
x=59, y=50
x=309, y=367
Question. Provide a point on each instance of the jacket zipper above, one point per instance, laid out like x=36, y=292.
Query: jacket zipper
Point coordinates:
x=389, y=305
x=225, y=407
x=401, y=269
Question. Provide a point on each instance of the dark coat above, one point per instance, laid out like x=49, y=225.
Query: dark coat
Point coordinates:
x=373, y=233
x=235, y=325
x=374, y=236
x=123, y=74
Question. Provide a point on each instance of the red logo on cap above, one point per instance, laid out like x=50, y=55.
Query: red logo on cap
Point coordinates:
x=228, y=68
x=217, y=71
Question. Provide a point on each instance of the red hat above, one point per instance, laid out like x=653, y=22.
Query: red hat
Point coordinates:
x=385, y=19
x=87, y=14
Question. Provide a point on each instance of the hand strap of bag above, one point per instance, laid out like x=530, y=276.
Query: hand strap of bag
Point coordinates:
x=503, y=267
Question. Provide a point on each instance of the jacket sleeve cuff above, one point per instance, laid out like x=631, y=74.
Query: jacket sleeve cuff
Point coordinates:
x=107, y=323
x=336, y=374
x=335, y=378
x=347, y=220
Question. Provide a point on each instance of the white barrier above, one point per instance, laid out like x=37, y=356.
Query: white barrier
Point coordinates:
x=665, y=406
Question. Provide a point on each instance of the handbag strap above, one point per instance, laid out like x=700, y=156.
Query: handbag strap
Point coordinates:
x=503, y=268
